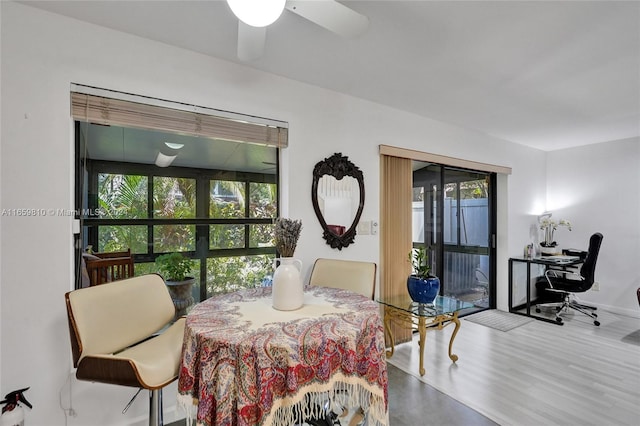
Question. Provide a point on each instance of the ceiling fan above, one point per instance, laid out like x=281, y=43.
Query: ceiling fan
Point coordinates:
x=255, y=15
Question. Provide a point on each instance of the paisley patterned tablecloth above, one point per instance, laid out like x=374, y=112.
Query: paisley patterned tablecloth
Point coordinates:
x=245, y=363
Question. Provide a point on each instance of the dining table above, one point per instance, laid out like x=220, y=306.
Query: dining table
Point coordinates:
x=245, y=363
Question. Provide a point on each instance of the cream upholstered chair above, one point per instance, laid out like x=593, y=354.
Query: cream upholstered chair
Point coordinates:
x=359, y=277
x=115, y=339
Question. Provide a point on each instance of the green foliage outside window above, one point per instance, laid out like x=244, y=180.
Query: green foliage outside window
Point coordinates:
x=122, y=197
x=123, y=237
x=262, y=200
x=261, y=236
x=226, y=236
x=168, y=238
x=226, y=274
x=174, y=198
x=126, y=197
x=226, y=199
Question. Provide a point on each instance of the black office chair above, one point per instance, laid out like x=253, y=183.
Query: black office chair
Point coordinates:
x=566, y=283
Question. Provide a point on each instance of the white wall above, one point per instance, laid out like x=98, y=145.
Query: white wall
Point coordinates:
x=42, y=54
x=1, y=388
x=597, y=188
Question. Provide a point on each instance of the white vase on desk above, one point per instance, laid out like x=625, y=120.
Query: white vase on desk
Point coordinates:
x=287, y=291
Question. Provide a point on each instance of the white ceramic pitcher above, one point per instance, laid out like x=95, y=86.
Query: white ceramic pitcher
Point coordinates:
x=287, y=288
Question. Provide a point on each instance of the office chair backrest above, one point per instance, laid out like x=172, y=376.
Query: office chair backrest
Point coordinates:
x=110, y=317
x=359, y=277
x=588, y=269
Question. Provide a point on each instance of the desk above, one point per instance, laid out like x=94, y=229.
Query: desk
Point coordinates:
x=245, y=363
x=409, y=314
x=555, y=262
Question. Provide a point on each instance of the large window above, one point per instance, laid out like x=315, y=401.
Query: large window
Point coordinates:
x=154, y=192
x=222, y=219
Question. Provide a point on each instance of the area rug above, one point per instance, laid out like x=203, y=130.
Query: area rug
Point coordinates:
x=633, y=338
x=498, y=320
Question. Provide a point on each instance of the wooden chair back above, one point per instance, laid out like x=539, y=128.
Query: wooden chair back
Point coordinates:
x=106, y=267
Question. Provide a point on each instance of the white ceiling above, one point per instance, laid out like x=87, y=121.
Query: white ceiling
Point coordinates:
x=548, y=74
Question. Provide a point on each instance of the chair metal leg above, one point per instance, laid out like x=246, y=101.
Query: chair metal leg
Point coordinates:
x=583, y=306
x=571, y=304
x=155, y=407
x=588, y=312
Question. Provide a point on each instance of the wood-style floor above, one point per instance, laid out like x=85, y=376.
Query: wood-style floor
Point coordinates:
x=538, y=373
x=414, y=403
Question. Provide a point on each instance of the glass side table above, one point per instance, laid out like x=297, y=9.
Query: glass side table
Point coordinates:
x=418, y=316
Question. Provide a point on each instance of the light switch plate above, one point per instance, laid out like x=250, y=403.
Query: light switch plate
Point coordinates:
x=75, y=226
x=364, y=227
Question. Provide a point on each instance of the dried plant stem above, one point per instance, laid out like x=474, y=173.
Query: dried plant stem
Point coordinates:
x=287, y=233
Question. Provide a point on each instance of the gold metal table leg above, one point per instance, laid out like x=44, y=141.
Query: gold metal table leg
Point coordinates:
x=456, y=321
x=387, y=329
x=408, y=320
x=422, y=329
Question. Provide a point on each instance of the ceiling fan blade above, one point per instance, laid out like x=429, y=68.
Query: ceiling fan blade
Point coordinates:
x=250, y=41
x=331, y=15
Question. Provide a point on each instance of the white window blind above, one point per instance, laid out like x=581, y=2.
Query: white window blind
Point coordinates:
x=117, y=112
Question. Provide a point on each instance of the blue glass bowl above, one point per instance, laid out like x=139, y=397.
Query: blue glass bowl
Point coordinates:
x=423, y=290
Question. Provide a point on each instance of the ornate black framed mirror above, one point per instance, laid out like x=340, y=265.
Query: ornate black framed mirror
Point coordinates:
x=337, y=194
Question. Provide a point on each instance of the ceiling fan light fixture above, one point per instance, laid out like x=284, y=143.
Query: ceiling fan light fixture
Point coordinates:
x=173, y=145
x=163, y=160
x=257, y=13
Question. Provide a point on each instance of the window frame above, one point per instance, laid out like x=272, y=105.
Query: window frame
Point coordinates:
x=90, y=224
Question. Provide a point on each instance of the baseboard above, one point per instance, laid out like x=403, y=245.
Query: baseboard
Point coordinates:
x=632, y=313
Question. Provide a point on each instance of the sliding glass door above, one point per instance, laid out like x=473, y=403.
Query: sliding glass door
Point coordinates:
x=453, y=217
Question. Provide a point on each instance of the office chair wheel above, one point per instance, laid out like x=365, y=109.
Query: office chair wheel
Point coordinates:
x=559, y=320
x=538, y=310
x=596, y=323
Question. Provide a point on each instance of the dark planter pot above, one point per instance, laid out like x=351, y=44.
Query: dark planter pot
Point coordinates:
x=181, y=295
x=423, y=290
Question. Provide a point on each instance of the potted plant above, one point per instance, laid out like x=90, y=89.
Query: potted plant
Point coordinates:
x=549, y=226
x=422, y=286
x=177, y=270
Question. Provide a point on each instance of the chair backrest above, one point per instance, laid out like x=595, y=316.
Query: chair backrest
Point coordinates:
x=481, y=277
x=107, y=318
x=588, y=269
x=107, y=267
x=359, y=277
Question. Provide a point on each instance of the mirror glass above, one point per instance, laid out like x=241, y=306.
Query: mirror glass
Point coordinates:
x=338, y=199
